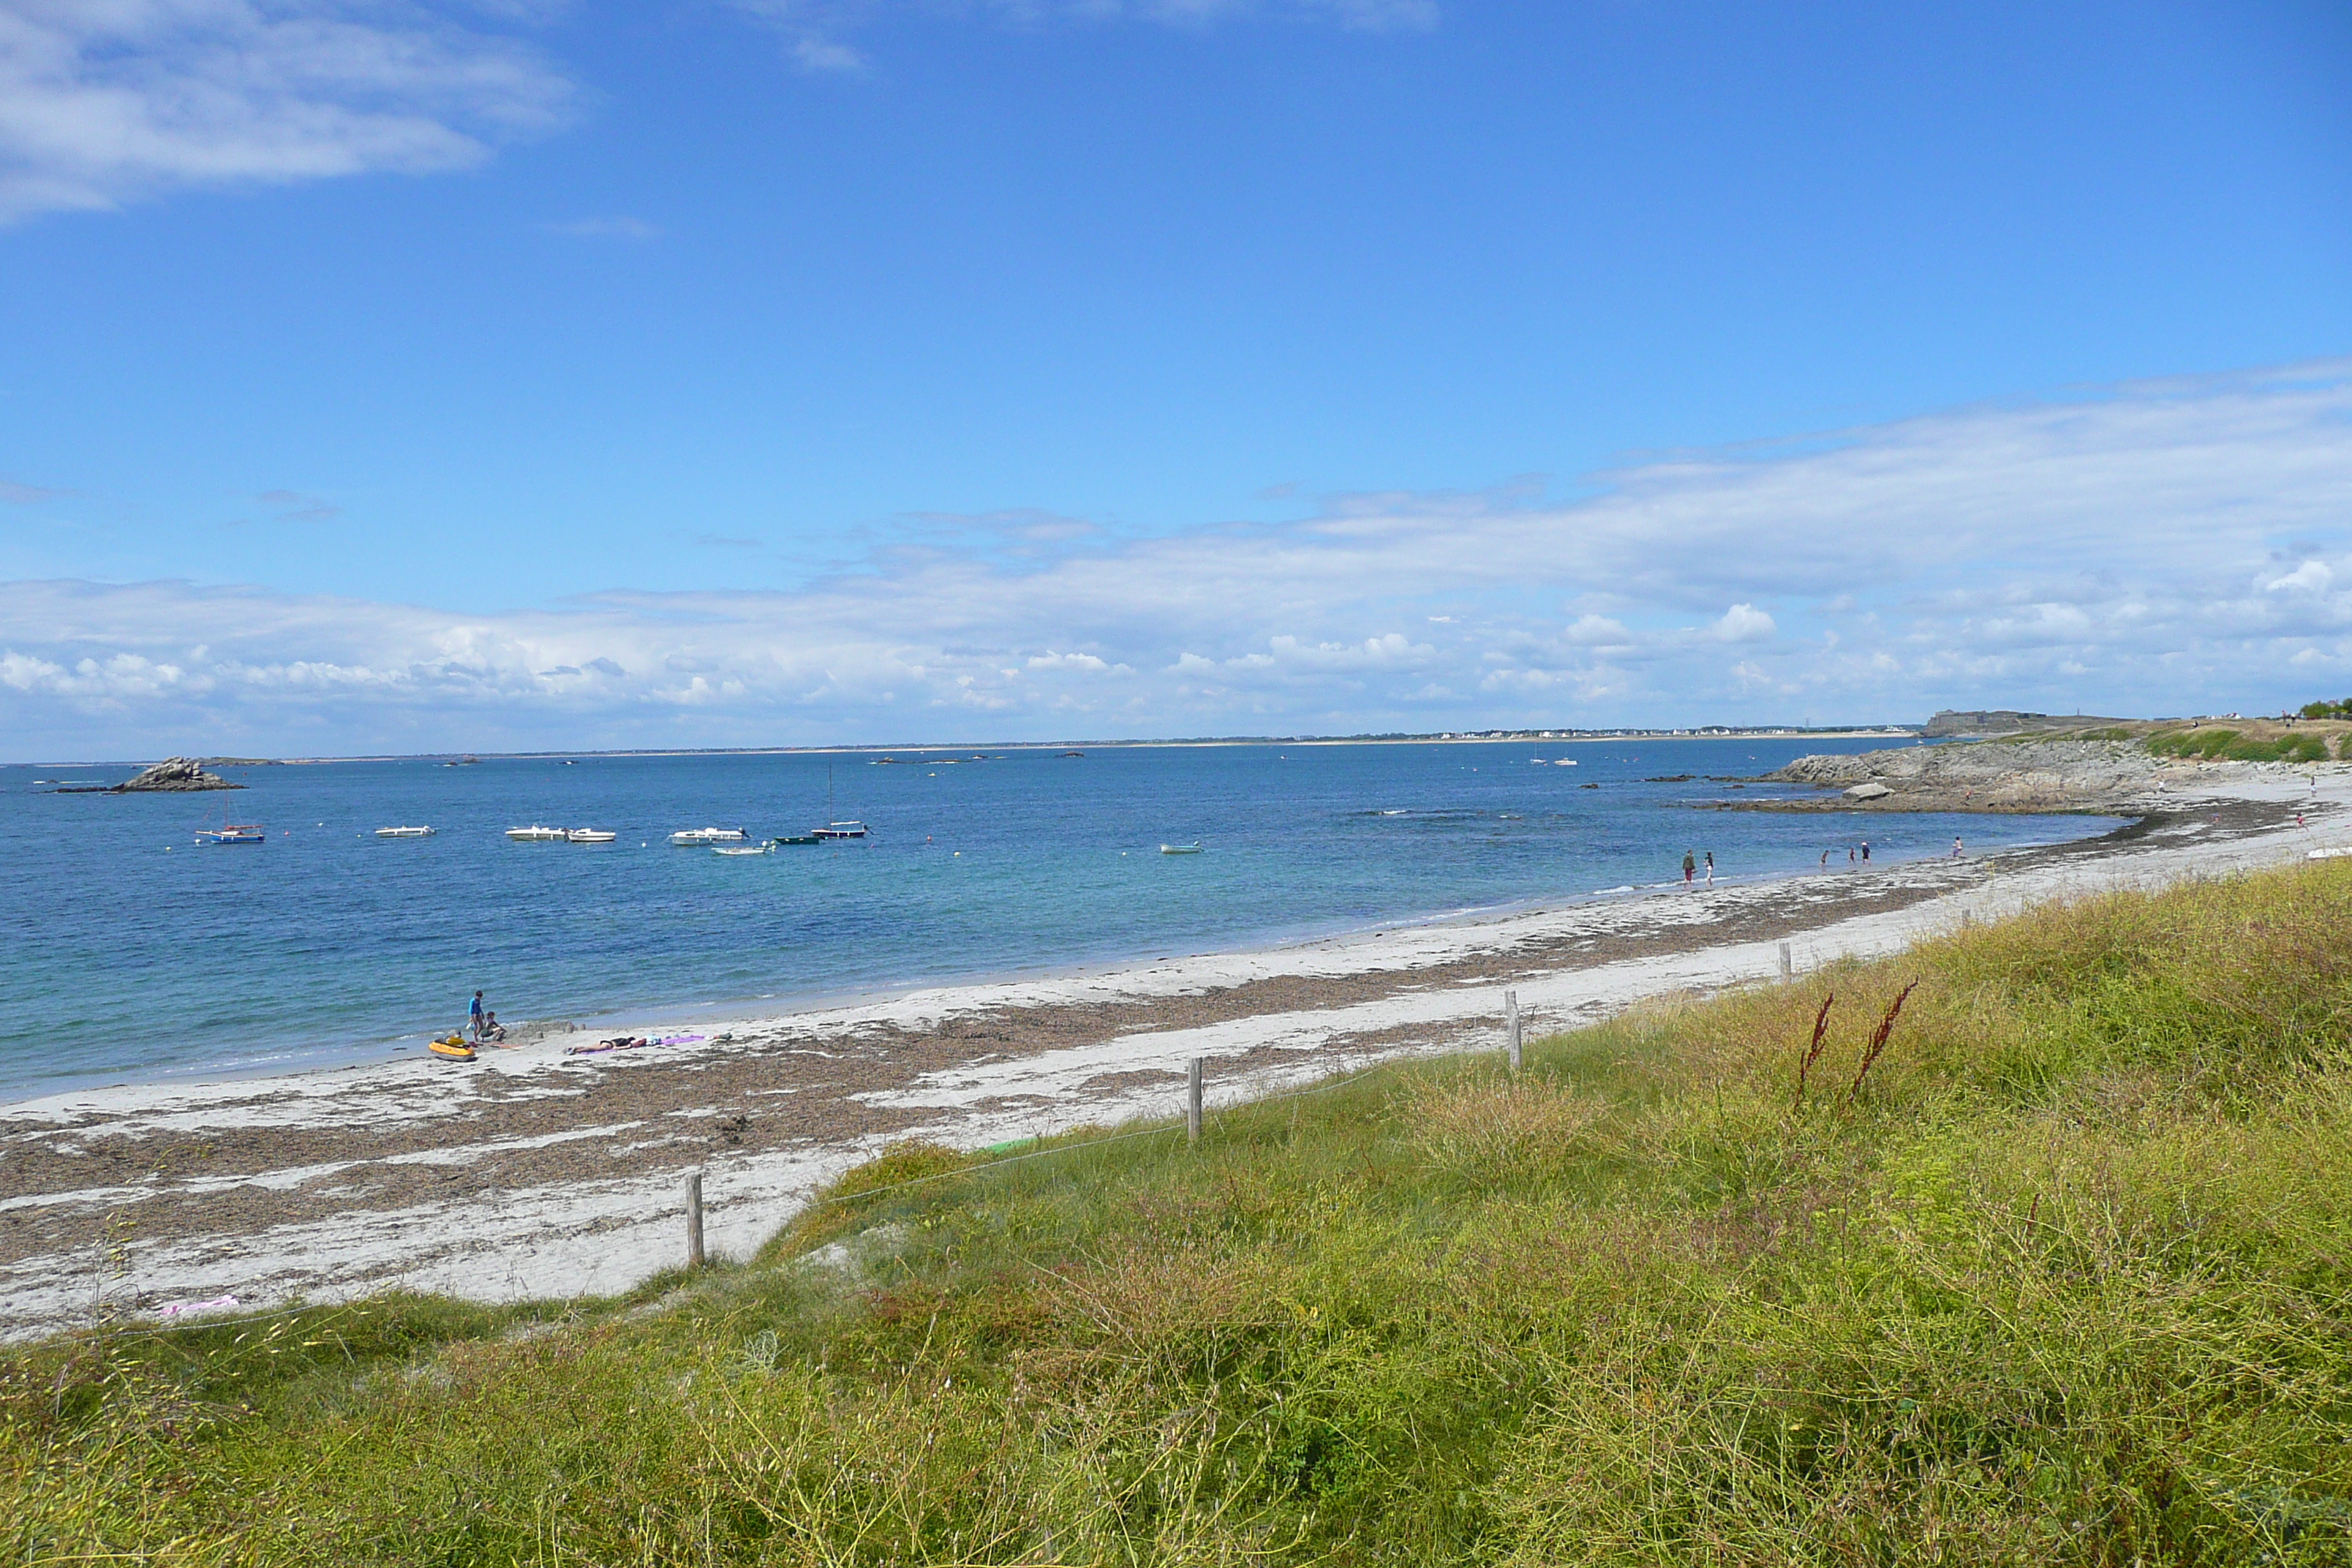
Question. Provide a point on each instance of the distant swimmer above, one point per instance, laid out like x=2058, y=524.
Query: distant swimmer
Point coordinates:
x=1690, y=866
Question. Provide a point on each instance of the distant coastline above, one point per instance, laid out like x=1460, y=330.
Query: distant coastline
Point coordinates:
x=1434, y=738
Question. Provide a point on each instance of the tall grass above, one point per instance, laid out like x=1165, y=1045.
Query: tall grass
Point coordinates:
x=2062, y=1277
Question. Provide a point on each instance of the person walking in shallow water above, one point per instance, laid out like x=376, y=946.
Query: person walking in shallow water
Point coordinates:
x=1710, y=868
x=1690, y=866
x=1865, y=851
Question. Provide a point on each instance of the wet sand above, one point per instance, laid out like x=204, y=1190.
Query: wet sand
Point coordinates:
x=537, y=1174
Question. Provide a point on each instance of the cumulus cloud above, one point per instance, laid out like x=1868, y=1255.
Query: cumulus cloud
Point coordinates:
x=1745, y=622
x=2070, y=553
x=105, y=101
x=2312, y=576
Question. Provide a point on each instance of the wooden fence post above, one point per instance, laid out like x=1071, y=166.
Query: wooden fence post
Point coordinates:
x=1788, y=965
x=694, y=1220
x=1511, y=1022
x=1193, y=1101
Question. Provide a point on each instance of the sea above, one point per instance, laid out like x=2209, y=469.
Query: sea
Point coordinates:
x=136, y=955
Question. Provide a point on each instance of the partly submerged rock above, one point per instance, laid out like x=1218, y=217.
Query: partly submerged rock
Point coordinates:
x=173, y=774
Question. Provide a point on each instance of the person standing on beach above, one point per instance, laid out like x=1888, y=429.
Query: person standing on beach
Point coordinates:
x=474, y=1019
x=1690, y=865
x=1710, y=868
x=1865, y=851
x=1956, y=848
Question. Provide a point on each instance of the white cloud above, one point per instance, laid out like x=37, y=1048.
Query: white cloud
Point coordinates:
x=1744, y=623
x=2312, y=576
x=104, y=101
x=2048, y=555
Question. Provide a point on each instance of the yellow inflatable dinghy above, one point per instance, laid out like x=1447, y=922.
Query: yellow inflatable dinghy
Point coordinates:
x=454, y=1048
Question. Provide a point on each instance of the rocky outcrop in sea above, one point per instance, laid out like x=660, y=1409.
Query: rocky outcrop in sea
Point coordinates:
x=1991, y=775
x=172, y=773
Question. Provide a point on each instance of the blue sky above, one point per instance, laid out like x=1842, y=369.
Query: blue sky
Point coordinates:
x=390, y=375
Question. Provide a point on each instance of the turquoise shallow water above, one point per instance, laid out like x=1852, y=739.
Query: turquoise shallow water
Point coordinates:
x=135, y=954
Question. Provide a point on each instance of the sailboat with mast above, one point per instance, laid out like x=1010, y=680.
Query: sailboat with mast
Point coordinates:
x=849, y=829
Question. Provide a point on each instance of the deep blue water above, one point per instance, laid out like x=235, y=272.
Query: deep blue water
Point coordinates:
x=132, y=953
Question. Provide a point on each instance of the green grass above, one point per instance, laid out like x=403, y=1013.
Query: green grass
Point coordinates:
x=2228, y=745
x=2064, y=1279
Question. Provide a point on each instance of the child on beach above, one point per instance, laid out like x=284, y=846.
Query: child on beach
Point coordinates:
x=1956, y=848
x=491, y=1029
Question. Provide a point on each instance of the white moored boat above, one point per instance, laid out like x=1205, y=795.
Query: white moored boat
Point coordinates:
x=403, y=833
x=591, y=835
x=1192, y=848
x=536, y=834
x=767, y=849
x=695, y=836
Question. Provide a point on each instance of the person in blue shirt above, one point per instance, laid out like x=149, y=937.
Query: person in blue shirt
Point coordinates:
x=476, y=1019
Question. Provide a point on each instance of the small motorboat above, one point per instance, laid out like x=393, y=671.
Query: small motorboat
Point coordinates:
x=589, y=836
x=403, y=833
x=454, y=1048
x=797, y=838
x=1192, y=848
x=231, y=833
x=694, y=837
x=841, y=830
x=767, y=849
x=535, y=834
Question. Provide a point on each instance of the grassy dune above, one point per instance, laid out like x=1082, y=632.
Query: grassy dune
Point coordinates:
x=2062, y=1278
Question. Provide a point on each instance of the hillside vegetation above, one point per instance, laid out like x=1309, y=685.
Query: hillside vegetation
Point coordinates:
x=2236, y=747
x=2060, y=1278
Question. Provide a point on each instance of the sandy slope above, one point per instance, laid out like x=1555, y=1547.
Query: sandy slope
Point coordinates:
x=538, y=1174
